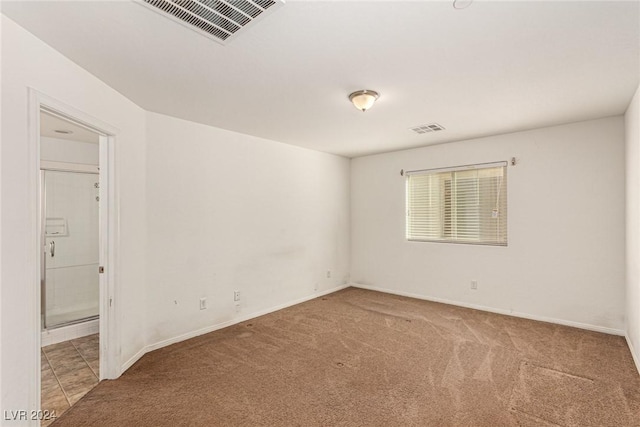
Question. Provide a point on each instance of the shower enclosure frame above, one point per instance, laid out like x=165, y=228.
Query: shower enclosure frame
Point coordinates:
x=56, y=167
x=110, y=364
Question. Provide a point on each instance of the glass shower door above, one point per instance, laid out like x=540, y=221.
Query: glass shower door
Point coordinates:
x=71, y=281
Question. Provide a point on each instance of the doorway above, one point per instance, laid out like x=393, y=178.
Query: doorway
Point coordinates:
x=70, y=261
x=73, y=187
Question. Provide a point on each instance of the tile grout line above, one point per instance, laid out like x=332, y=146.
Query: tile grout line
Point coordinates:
x=85, y=360
x=56, y=376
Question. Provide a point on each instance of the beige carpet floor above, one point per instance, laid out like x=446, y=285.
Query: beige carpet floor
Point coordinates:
x=362, y=358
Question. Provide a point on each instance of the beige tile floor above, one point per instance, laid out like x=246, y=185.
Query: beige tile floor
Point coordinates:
x=68, y=370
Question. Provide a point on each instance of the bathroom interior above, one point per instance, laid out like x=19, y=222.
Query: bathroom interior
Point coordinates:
x=70, y=282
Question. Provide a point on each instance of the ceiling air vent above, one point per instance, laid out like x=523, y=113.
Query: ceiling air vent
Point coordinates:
x=433, y=127
x=220, y=20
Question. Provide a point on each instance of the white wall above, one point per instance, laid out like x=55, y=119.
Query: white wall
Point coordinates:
x=2, y=406
x=28, y=62
x=565, y=258
x=62, y=150
x=632, y=133
x=229, y=212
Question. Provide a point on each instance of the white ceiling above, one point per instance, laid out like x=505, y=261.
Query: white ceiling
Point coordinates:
x=492, y=68
x=50, y=124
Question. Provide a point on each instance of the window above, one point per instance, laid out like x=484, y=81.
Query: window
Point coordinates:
x=466, y=204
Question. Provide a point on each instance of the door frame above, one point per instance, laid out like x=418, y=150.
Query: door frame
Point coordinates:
x=110, y=364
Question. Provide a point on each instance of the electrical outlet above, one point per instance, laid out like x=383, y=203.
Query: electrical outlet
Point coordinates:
x=315, y=286
x=328, y=274
x=203, y=303
x=236, y=295
x=474, y=284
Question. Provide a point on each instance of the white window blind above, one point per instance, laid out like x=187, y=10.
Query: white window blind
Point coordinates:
x=466, y=204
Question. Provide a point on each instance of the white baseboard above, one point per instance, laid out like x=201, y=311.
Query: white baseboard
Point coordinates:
x=192, y=334
x=234, y=321
x=129, y=363
x=596, y=328
x=636, y=356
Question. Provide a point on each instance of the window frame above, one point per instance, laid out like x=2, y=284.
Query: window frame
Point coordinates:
x=447, y=232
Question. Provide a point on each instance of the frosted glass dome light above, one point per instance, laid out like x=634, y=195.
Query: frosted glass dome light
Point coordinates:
x=363, y=99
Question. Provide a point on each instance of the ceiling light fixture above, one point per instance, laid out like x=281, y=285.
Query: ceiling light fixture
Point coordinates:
x=363, y=99
x=63, y=131
x=461, y=4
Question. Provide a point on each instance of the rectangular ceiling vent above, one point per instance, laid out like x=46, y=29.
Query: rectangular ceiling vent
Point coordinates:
x=433, y=127
x=220, y=20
